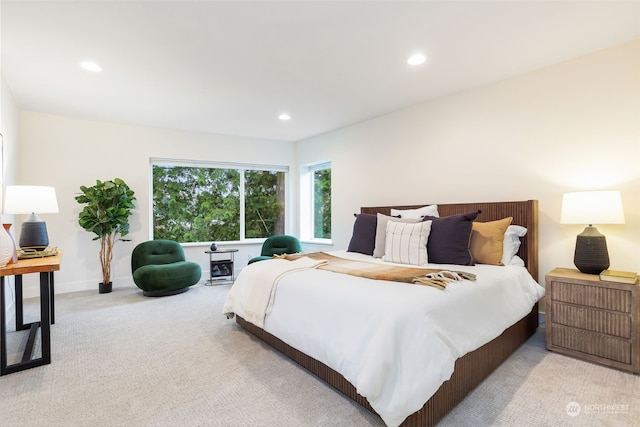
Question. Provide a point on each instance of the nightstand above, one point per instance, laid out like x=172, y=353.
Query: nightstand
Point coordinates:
x=594, y=320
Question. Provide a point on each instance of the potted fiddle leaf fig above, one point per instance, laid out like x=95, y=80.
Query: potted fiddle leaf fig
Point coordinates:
x=108, y=206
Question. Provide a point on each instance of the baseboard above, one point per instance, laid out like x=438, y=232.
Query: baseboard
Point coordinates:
x=32, y=288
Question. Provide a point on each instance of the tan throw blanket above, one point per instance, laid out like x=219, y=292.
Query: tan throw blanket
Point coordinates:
x=421, y=276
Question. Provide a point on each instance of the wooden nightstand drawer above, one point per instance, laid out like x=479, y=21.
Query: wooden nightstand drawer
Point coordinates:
x=592, y=343
x=592, y=319
x=601, y=321
x=591, y=296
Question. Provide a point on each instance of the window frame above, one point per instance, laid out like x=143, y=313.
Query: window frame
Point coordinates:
x=241, y=167
x=307, y=211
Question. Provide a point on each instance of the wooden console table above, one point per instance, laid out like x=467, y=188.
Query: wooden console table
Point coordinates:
x=45, y=266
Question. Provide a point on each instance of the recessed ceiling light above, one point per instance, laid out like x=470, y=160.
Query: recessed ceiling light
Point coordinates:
x=416, y=59
x=91, y=66
x=284, y=117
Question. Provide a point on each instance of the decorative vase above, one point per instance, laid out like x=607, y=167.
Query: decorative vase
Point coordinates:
x=7, y=247
x=105, y=288
x=14, y=257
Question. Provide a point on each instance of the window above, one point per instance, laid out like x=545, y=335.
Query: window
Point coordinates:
x=315, y=196
x=201, y=202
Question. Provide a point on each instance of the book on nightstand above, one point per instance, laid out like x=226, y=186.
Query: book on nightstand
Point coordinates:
x=619, y=276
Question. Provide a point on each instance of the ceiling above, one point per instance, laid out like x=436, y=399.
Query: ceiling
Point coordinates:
x=232, y=67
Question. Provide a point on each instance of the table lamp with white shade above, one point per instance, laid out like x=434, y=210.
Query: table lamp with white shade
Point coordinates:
x=592, y=207
x=32, y=200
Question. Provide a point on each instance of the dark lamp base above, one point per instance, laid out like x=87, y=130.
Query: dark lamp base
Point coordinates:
x=33, y=234
x=591, y=255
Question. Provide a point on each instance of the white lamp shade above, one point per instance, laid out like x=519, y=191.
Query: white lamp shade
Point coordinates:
x=592, y=207
x=27, y=199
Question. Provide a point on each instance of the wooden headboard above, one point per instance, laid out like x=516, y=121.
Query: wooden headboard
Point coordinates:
x=524, y=213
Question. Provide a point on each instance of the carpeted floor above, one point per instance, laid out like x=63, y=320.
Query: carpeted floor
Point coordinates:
x=122, y=359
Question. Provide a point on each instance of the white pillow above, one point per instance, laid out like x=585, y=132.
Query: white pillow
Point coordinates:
x=431, y=210
x=511, y=243
x=381, y=232
x=406, y=243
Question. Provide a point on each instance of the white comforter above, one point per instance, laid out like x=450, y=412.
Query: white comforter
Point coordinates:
x=395, y=342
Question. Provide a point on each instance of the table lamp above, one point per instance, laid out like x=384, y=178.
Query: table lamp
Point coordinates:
x=31, y=199
x=591, y=207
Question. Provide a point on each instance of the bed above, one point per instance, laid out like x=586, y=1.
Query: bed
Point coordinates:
x=469, y=369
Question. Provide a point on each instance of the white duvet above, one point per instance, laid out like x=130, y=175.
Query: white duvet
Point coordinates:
x=395, y=342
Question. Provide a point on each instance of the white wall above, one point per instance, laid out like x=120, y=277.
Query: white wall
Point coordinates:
x=10, y=146
x=68, y=152
x=567, y=127
x=8, y=173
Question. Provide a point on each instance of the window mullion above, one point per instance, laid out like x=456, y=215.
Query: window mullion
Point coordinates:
x=242, y=206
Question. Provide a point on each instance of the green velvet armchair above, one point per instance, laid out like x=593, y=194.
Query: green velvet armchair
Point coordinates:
x=278, y=245
x=159, y=268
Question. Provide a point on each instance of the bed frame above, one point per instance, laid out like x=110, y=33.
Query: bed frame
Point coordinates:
x=471, y=369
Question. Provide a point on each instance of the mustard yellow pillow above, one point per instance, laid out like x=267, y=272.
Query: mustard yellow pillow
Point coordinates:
x=487, y=239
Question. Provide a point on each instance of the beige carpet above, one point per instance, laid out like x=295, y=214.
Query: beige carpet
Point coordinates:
x=122, y=359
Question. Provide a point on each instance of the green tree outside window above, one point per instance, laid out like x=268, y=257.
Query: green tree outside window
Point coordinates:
x=203, y=204
x=322, y=203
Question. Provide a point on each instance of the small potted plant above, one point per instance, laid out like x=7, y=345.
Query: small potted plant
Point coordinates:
x=108, y=206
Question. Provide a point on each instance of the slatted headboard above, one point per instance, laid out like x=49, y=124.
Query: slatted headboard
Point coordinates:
x=524, y=213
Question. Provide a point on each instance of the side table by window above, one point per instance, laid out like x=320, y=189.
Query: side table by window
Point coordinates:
x=221, y=269
x=45, y=266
